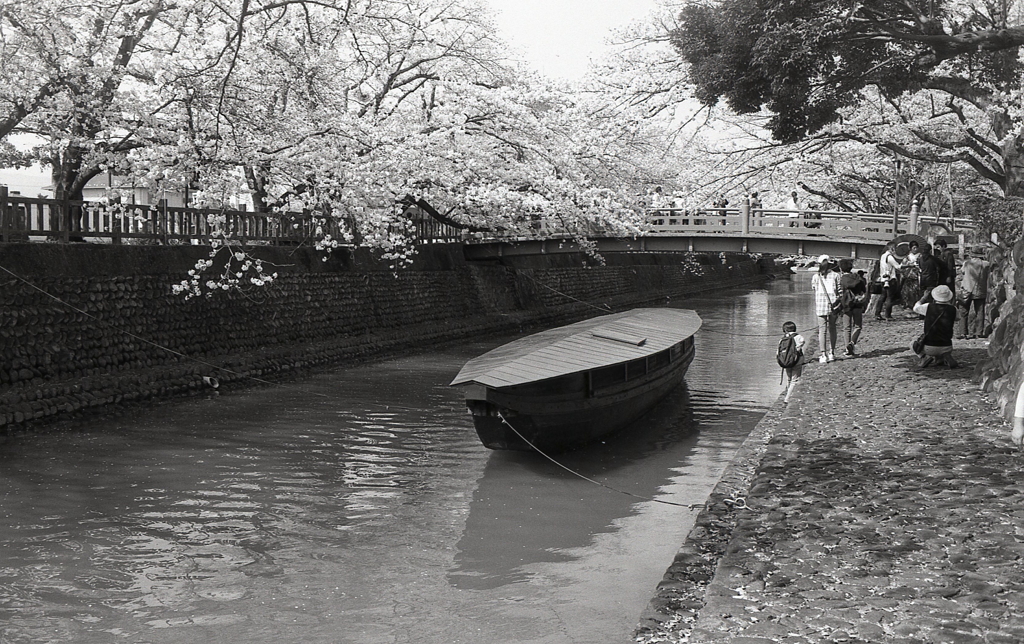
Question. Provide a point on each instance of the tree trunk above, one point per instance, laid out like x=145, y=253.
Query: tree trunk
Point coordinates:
x=65, y=170
x=69, y=179
x=256, y=179
x=1013, y=168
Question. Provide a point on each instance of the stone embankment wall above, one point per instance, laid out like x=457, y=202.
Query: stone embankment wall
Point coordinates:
x=84, y=327
x=1003, y=371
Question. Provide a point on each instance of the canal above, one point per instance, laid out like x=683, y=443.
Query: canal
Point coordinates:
x=358, y=506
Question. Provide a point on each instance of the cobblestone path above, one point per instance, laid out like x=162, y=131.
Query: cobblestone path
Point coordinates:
x=888, y=506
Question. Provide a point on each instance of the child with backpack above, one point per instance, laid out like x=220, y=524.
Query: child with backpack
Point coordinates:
x=791, y=357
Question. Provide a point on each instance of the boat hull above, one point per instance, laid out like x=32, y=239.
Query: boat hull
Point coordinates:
x=519, y=425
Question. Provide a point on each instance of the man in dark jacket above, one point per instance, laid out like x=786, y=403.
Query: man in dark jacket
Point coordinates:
x=931, y=271
x=853, y=293
x=947, y=262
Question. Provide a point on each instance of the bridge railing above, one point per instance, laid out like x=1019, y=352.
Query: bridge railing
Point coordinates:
x=784, y=223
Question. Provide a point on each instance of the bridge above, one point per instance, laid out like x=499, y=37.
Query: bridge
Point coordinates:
x=781, y=232
x=840, y=234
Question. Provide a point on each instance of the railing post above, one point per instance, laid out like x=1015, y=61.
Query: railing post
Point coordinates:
x=5, y=216
x=912, y=228
x=65, y=220
x=745, y=218
x=116, y=213
x=164, y=224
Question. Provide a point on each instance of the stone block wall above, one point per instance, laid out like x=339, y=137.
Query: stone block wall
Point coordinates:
x=83, y=327
x=1003, y=372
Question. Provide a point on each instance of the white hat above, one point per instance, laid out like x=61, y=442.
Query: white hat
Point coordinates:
x=824, y=258
x=942, y=294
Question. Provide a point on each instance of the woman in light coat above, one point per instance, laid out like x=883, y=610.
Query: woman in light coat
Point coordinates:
x=825, y=284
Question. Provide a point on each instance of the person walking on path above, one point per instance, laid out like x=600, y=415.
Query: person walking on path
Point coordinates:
x=853, y=293
x=913, y=254
x=947, y=265
x=825, y=284
x=931, y=271
x=889, y=276
x=972, y=294
x=791, y=356
x=939, y=317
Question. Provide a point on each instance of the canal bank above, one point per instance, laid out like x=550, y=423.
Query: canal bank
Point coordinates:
x=86, y=327
x=883, y=504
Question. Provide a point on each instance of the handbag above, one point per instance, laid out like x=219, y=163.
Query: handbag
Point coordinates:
x=917, y=346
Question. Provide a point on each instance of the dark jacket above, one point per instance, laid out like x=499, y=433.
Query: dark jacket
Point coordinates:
x=931, y=271
x=947, y=261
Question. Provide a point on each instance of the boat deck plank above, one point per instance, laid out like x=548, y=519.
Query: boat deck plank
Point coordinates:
x=573, y=348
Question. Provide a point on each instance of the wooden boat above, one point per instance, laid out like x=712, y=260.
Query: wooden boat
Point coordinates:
x=570, y=385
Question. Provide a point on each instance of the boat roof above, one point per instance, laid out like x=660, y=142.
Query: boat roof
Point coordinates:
x=593, y=343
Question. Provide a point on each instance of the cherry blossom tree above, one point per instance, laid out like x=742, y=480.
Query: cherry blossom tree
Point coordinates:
x=346, y=109
x=68, y=72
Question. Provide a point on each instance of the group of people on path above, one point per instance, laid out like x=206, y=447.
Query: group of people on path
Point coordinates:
x=838, y=294
x=937, y=267
x=845, y=294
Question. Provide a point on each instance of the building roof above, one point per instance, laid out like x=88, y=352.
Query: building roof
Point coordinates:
x=598, y=342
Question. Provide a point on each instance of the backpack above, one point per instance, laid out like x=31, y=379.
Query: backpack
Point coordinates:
x=788, y=354
x=849, y=299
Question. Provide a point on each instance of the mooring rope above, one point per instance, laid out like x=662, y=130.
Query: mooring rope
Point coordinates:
x=604, y=308
x=692, y=506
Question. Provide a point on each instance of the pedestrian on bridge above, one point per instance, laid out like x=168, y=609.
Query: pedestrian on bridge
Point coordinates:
x=827, y=307
x=793, y=206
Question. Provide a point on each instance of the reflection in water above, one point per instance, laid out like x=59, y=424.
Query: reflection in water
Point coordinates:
x=358, y=506
x=501, y=536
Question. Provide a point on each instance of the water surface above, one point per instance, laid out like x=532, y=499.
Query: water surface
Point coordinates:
x=358, y=506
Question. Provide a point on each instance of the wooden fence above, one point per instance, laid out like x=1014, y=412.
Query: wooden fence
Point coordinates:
x=31, y=219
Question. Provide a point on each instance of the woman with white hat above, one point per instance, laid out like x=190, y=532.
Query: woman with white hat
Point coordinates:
x=825, y=284
x=940, y=316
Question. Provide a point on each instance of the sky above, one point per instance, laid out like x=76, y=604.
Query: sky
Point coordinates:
x=558, y=37
x=555, y=37
x=29, y=183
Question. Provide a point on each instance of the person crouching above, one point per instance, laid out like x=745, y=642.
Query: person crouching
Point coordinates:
x=940, y=317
